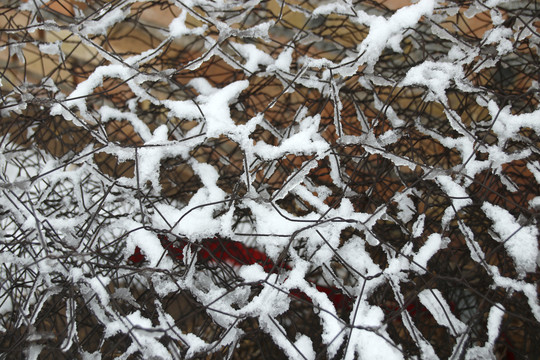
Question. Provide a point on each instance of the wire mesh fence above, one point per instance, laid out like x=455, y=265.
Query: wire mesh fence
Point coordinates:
x=269, y=179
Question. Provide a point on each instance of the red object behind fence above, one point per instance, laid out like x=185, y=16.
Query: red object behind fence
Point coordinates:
x=233, y=252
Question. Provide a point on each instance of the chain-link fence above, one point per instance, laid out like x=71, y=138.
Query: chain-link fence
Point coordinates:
x=269, y=179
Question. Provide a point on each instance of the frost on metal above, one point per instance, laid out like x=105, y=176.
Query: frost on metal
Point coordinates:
x=269, y=179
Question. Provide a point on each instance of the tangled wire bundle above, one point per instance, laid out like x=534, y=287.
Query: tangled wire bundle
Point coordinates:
x=269, y=179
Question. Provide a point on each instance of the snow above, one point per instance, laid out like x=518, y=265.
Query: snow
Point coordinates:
x=257, y=31
x=295, y=179
x=333, y=8
x=254, y=57
x=495, y=318
x=305, y=347
x=332, y=334
x=500, y=36
x=144, y=335
x=371, y=340
x=534, y=168
x=506, y=125
x=270, y=221
x=50, y=48
x=33, y=351
x=305, y=142
x=252, y=273
x=433, y=244
x=147, y=241
x=494, y=322
x=354, y=253
x=529, y=290
x=106, y=18
x=86, y=88
x=435, y=76
x=457, y=193
x=434, y=301
x=108, y=113
x=96, y=355
x=383, y=32
x=521, y=242
x=418, y=226
x=212, y=106
x=178, y=28
x=405, y=206
x=32, y=6
x=535, y=202
x=283, y=61
x=426, y=349
x=98, y=285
